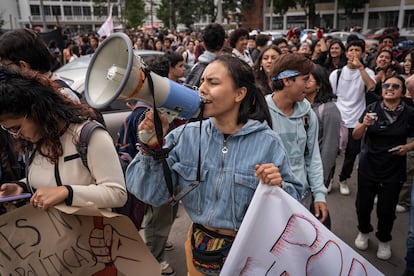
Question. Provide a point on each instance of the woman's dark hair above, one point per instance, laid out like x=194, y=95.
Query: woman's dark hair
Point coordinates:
x=26, y=45
x=262, y=80
x=328, y=64
x=33, y=95
x=381, y=50
x=411, y=53
x=146, y=43
x=254, y=105
x=321, y=77
x=75, y=50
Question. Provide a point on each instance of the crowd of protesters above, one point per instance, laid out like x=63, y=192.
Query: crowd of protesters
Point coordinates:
x=330, y=96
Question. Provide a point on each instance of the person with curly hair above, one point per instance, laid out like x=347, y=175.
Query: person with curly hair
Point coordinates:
x=47, y=125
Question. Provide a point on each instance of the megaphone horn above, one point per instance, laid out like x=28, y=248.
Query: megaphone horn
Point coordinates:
x=115, y=71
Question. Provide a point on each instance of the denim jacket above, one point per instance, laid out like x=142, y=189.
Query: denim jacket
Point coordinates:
x=227, y=181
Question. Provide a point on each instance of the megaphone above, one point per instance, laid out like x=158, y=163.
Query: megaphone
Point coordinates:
x=115, y=71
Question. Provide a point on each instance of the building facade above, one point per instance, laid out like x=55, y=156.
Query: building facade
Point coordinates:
x=77, y=15
x=377, y=13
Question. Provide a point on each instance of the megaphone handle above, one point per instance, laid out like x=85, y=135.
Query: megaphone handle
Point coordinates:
x=145, y=136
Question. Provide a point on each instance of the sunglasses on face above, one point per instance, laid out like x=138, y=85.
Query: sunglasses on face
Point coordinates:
x=14, y=130
x=394, y=86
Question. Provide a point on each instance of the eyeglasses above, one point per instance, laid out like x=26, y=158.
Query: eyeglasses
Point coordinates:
x=394, y=86
x=7, y=64
x=15, y=130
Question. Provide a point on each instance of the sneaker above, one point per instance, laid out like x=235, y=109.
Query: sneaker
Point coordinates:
x=400, y=209
x=168, y=246
x=166, y=269
x=361, y=242
x=329, y=189
x=384, y=250
x=343, y=188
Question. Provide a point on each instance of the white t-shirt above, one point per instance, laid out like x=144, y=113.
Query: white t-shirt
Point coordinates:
x=350, y=93
x=243, y=56
x=190, y=58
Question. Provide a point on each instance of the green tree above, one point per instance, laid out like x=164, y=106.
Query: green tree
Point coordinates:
x=351, y=5
x=190, y=11
x=134, y=13
x=164, y=14
x=282, y=6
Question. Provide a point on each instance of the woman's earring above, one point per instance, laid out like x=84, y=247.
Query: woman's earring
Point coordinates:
x=261, y=68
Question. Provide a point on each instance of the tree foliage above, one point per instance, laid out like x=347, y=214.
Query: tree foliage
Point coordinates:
x=352, y=5
x=134, y=13
x=184, y=12
x=308, y=6
x=190, y=11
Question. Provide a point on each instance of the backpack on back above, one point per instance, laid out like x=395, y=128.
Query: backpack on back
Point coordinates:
x=82, y=148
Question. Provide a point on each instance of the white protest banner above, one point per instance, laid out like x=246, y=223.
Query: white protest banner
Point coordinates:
x=79, y=241
x=279, y=236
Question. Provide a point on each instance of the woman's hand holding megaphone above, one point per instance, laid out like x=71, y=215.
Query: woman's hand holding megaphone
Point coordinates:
x=147, y=126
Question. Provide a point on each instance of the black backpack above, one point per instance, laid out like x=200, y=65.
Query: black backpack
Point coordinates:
x=194, y=77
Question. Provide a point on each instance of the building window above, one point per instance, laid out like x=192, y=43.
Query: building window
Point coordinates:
x=409, y=19
x=67, y=10
x=115, y=11
x=87, y=11
x=380, y=19
x=56, y=10
x=77, y=11
x=34, y=10
x=296, y=22
x=47, y=10
x=346, y=22
x=277, y=23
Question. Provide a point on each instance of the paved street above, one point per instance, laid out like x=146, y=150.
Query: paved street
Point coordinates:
x=343, y=225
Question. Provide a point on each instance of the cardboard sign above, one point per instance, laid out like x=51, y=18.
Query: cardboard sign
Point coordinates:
x=279, y=236
x=72, y=241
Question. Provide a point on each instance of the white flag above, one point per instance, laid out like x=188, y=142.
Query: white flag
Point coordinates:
x=107, y=27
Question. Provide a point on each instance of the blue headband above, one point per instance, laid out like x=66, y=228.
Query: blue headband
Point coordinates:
x=286, y=74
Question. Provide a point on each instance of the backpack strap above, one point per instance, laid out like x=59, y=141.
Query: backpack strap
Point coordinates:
x=63, y=84
x=305, y=121
x=321, y=107
x=84, y=137
x=338, y=74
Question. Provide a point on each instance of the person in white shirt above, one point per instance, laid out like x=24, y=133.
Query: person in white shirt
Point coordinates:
x=350, y=84
x=238, y=41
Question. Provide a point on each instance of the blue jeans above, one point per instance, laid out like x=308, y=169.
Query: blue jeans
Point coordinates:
x=409, y=258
